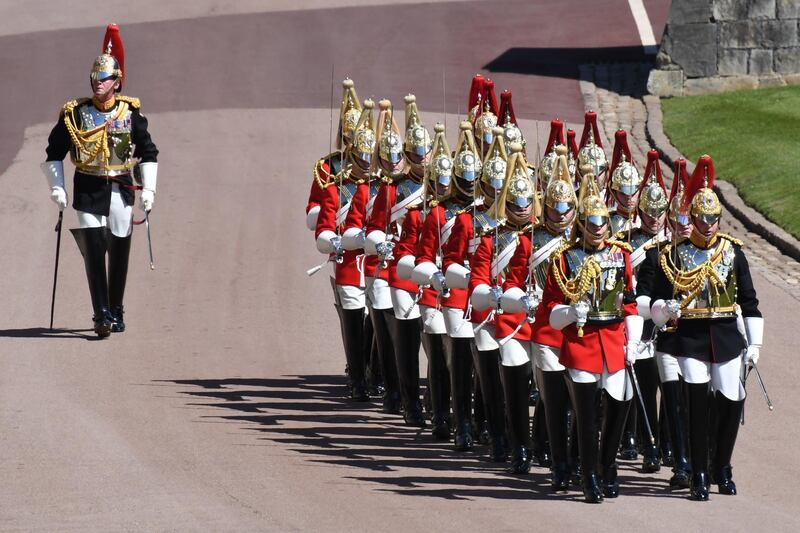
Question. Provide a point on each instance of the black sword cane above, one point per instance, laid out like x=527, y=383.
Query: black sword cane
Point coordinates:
x=55, y=273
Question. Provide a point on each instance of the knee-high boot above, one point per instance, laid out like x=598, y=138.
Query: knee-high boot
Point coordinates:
x=93, y=244
x=554, y=395
x=729, y=415
x=459, y=359
x=674, y=411
x=697, y=404
x=382, y=325
x=516, y=387
x=487, y=367
x=664, y=436
x=406, y=352
x=374, y=363
x=540, y=451
x=119, y=250
x=438, y=383
x=584, y=402
x=647, y=375
x=353, y=327
x=479, y=415
x=615, y=413
x=629, y=449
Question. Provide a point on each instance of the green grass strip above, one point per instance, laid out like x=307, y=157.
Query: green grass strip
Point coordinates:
x=754, y=139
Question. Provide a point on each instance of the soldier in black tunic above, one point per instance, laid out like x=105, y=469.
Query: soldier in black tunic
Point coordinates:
x=106, y=137
x=702, y=286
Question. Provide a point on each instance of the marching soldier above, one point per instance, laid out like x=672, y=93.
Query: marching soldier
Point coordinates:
x=467, y=167
x=680, y=228
x=589, y=298
x=528, y=272
x=437, y=190
x=469, y=257
x=336, y=215
x=398, y=196
x=699, y=286
x=106, y=136
x=651, y=211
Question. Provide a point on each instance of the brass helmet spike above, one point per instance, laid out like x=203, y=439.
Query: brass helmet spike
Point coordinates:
x=440, y=169
x=364, y=133
x=626, y=178
x=467, y=159
x=418, y=140
x=390, y=144
x=518, y=189
x=592, y=154
x=560, y=194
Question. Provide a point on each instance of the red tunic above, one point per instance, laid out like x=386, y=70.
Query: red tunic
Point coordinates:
x=350, y=270
x=320, y=178
x=409, y=236
x=599, y=344
x=379, y=221
x=518, y=269
x=428, y=247
x=456, y=251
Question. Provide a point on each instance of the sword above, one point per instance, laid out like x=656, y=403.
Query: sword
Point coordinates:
x=149, y=240
x=641, y=402
x=763, y=388
x=55, y=274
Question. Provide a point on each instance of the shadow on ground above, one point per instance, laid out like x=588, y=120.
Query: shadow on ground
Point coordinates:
x=47, y=333
x=310, y=416
x=602, y=66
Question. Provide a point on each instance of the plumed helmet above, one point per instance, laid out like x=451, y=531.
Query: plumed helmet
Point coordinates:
x=467, y=159
x=418, y=140
x=349, y=113
x=390, y=143
x=111, y=62
x=653, y=194
x=440, y=168
x=364, y=134
x=704, y=201
x=493, y=173
x=625, y=178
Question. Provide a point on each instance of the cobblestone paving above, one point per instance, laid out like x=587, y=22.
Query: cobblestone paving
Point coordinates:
x=614, y=92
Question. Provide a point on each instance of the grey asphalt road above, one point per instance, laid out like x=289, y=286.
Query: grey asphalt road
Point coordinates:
x=220, y=408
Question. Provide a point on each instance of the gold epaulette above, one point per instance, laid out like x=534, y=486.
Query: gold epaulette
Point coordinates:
x=620, y=244
x=566, y=245
x=130, y=100
x=652, y=245
x=433, y=203
x=730, y=238
x=318, y=178
x=72, y=104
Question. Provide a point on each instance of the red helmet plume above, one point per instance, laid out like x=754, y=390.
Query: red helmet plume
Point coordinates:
x=506, y=114
x=556, y=135
x=590, y=125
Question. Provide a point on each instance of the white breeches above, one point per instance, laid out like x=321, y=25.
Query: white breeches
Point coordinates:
x=724, y=377
x=403, y=303
x=515, y=352
x=617, y=384
x=432, y=320
x=350, y=297
x=546, y=357
x=457, y=327
x=484, y=338
x=668, y=367
x=378, y=293
x=119, y=219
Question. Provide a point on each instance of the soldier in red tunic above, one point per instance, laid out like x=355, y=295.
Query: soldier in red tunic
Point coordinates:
x=589, y=296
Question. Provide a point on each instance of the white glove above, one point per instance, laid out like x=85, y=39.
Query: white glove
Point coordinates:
x=662, y=311
x=483, y=297
x=353, y=239
x=59, y=196
x=373, y=239
x=311, y=218
x=752, y=354
x=405, y=266
x=457, y=276
x=149, y=173
x=423, y=272
x=512, y=301
x=643, y=306
x=563, y=315
x=632, y=350
x=439, y=283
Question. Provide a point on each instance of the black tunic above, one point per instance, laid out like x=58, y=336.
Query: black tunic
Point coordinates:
x=716, y=340
x=92, y=194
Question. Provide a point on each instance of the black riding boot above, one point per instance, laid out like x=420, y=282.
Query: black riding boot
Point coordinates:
x=584, y=402
x=540, y=451
x=93, y=243
x=573, y=450
x=353, y=327
x=647, y=375
x=119, y=250
x=459, y=359
x=629, y=449
x=479, y=416
x=487, y=367
x=374, y=363
x=555, y=398
x=674, y=411
x=382, y=324
x=615, y=413
x=516, y=388
x=697, y=405
x=664, y=436
x=406, y=351
x=729, y=417
x=438, y=383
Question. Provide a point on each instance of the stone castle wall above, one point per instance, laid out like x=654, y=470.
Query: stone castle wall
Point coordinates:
x=718, y=45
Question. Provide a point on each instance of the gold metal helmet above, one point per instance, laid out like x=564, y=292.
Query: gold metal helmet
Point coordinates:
x=519, y=188
x=111, y=63
x=592, y=155
x=418, y=140
x=390, y=143
x=590, y=203
x=625, y=178
x=679, y=182
x=508, y=121
x=560, y=193
x=653, y=194
x=493, y=174
x=467, y=159
x=440, y=169
x=705, y=203
x=364, y=134
x=349, y=113
x=485, y=124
